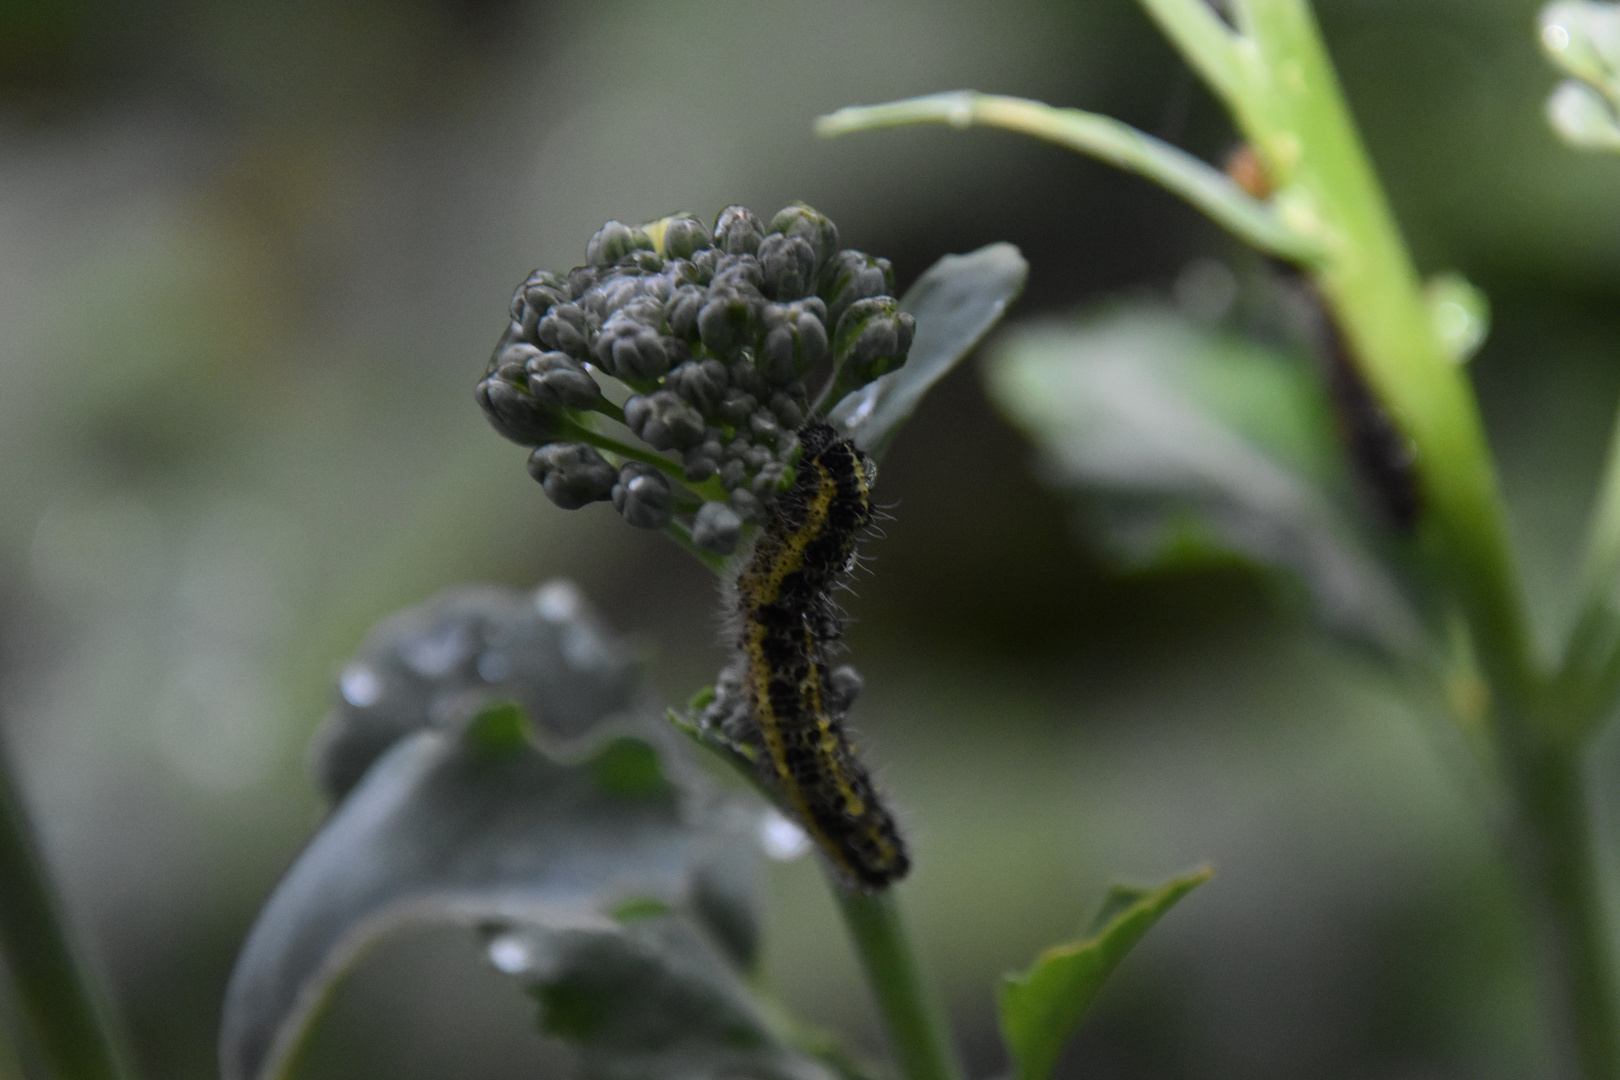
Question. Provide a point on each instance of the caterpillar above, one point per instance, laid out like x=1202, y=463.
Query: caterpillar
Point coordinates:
x=1379, y=451
x=788, y=625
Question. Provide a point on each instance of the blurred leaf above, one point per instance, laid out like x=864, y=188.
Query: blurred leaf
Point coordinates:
x=437, y=664
x=647, y=997
x=473, y=827
x=1040, y=1008
x=464, y=818
x=955, y=302
x=1194, y=445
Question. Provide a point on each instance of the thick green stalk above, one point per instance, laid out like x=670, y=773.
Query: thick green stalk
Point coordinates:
x=56, y=997
x=919, y=1038
x=1296, y=114
x=1561, y=880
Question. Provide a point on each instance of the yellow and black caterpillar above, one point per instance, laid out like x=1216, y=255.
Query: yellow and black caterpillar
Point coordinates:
x=788, y=624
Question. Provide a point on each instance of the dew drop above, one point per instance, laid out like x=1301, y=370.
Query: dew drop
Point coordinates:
x=360, y=686
x=1555, y=37
x=511, y=953
x=558, y=601
x=782, y=839
x=438, y=652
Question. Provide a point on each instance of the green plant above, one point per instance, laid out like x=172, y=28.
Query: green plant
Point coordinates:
x=1442, y=602
x=494, y=761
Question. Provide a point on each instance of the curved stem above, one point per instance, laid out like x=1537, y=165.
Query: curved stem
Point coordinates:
x=919, y=1038
x=56, y=996
x=1102, y=137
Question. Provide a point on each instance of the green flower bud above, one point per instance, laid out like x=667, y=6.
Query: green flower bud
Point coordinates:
x=794, y=339
x=542, y=289
x=872, y=339
x=572, y=474
x=682, y=308
x=558, y=380
x=737, y=231
x=701, y=383
x=788, y=267
x=852, y=276
x=763, y=426
x=684, y=236
x=716, y=528
x=612, y=295
x=726, y=322
x=613, y=241
x=628, y=348
x=566, y=329
x=512, y=336
x=747, y=505
x=747, y=377
x=789, y=413
x=763, y=485
x=663, y=421
x=736, y=406
x=642, y=495
x=698, y=467
x=580, y=280
x=704, y=264
x=810, y=225
x=516, y=415
x=740, y=273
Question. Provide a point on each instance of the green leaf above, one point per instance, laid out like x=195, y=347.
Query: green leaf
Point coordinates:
x=598, y=826
x=439, y=663
x=1040, y=1008
x=955, y=303
x=1189, y=444
x=648, y=998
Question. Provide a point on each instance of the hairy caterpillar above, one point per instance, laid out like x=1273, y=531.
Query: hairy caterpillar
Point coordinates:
x=784, y=700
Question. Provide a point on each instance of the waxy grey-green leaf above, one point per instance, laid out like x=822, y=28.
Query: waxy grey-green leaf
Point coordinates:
x=1040, y=1008
x=454, y=809
x=955, y=303
x=648, y=997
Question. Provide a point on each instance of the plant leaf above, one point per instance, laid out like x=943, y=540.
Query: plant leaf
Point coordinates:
x=647, y=997
x=1040, y=1008
x=1190, y=444
x=463, y=817
x=438, y=663
x=955, y=302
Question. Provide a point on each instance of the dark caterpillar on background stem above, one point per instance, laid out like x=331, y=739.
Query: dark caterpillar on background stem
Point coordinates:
x=788, y=626
x=1381, y=454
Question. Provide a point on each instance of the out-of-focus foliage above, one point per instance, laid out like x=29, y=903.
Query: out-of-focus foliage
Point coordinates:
x=1583, y=38
x=458, y=816
x=1202, y=444
x=250, y=256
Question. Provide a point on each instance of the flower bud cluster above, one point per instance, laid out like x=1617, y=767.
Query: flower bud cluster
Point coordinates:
x=719, y=334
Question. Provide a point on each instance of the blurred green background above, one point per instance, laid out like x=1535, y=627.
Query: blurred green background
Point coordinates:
x=253, y=257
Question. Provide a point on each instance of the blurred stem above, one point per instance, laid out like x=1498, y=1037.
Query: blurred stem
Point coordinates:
x=55, y=995
x=1561, y=878
x=1588, y=675
x=1103, y=137
x=919, y=1038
